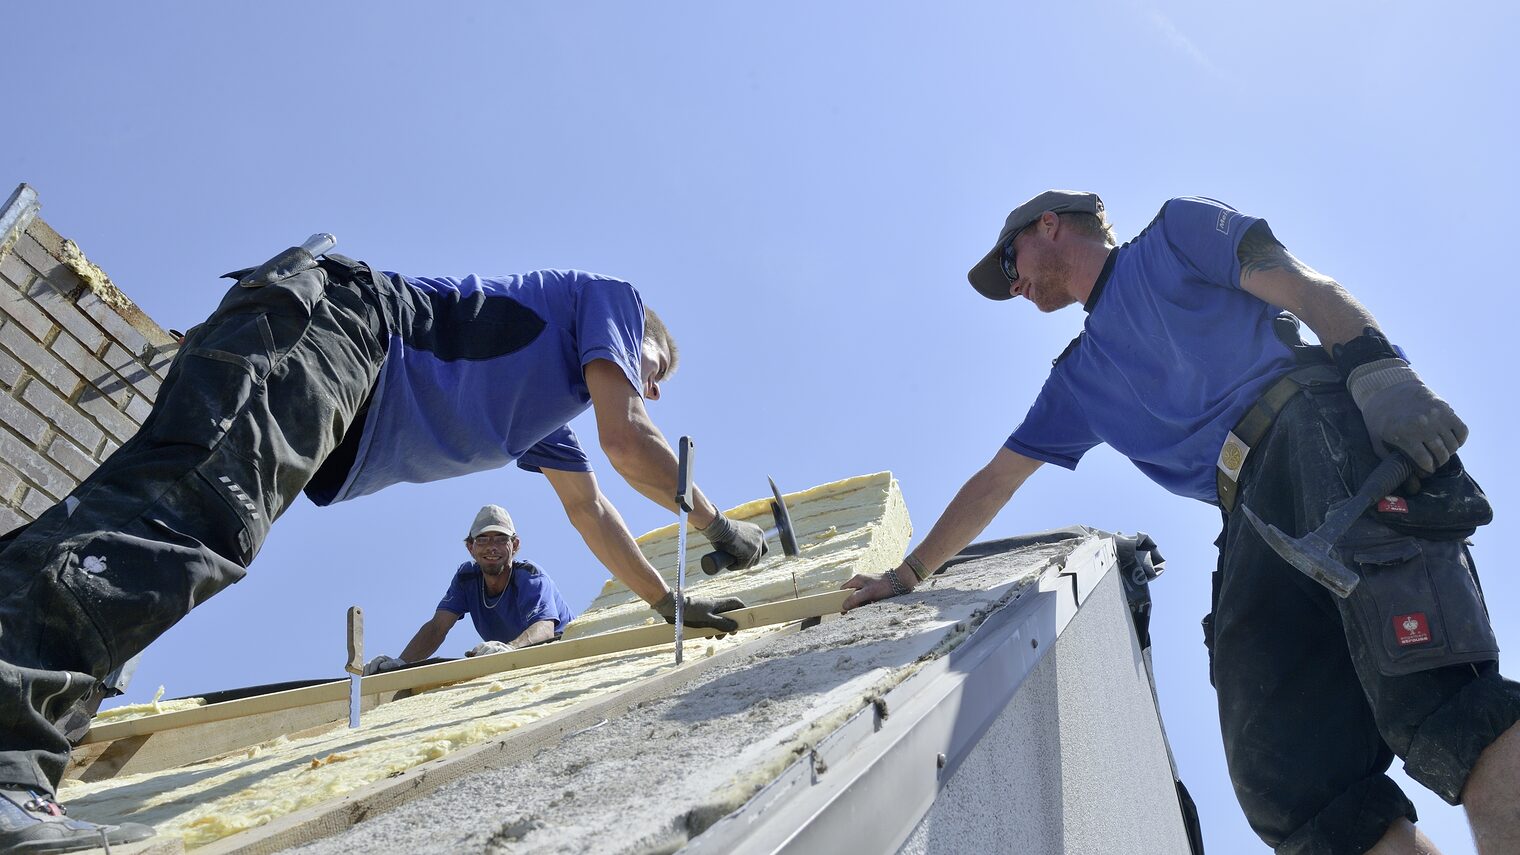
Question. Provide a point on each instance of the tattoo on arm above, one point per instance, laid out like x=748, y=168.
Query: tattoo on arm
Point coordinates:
x=1260, y=251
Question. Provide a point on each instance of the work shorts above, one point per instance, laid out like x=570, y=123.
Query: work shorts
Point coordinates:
x=1310, y=720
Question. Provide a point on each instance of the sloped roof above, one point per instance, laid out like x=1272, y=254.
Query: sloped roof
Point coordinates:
x=856, y=525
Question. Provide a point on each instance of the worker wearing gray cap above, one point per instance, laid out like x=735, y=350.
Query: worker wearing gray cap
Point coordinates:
x=512, y=602
x=1187, y=365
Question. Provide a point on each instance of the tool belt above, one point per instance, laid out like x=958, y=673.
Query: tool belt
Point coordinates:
x=1257, y=421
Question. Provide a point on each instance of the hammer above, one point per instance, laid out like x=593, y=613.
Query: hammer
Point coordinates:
x=1313, y=554
x=716, y=562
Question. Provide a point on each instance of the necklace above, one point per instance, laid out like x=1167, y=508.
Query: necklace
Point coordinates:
x=484, y=598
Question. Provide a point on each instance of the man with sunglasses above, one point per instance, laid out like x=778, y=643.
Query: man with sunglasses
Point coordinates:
x=322, y=375
x=1183, y=366
x=512, y=603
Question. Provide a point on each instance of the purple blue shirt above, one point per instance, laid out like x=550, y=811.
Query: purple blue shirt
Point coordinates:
x=529, y=598
x=1172, y=354
x=485, y=371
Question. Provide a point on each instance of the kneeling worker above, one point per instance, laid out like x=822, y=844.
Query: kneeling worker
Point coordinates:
x=512, y=603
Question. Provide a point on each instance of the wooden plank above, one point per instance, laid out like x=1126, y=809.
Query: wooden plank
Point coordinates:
x=384, y=687
x=327, y=819
x=170, y=749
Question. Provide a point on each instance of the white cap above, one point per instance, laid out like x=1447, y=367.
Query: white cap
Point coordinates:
x=492, y=518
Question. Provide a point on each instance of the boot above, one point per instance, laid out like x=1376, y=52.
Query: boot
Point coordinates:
x=33, y=822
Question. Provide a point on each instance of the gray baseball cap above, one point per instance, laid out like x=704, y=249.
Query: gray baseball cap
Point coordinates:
x=492, y=518
x=987, y=276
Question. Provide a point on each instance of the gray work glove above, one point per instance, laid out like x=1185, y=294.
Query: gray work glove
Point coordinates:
x=486, y=648
x=705, y=614
x=381, y=664
x=745, y=541
x=1401, y=412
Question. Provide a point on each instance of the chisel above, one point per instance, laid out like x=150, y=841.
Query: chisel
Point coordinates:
x=355, y=664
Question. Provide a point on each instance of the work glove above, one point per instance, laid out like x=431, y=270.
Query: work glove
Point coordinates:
x=1401, y=412
x=745, y=541
x=485, y=648
x=706, y=614
x=381, y=664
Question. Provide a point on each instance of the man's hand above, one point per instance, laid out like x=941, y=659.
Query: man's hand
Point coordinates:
x=743, y=540
x=486, y=648
x=706, y=614
x=869, y=589
x=381, y=664
x=1402, y=412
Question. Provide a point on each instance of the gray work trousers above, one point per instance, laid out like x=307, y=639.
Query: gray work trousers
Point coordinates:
x=258, y=397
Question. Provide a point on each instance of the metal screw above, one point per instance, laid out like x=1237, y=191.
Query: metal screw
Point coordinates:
x=1034, y=643
x=939, y=761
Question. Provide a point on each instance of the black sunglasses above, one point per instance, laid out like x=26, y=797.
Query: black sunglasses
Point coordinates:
x=1006, y=257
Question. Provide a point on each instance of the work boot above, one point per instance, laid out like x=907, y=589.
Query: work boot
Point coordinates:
x=33, y=822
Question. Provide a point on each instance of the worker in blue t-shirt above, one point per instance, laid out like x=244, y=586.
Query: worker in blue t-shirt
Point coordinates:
x=1187, y=366
x=324, y=375
x=512, y=603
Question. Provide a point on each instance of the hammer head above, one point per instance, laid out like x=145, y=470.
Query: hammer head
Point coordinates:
x=1311, y=554
x=783, y=522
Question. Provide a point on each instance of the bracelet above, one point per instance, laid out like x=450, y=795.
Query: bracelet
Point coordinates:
x=897, y=586
x=917, y=567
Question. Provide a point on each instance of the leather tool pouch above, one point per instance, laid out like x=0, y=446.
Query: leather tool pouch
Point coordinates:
x=1418, y=605
x=1449, y=506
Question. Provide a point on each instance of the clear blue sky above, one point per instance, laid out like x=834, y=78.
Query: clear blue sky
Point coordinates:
x=799, y=188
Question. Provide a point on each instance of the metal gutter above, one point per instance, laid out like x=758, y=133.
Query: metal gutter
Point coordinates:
x=19, y=211
x=866, y=786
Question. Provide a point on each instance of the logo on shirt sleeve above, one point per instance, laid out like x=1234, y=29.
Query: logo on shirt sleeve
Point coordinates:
x=1223, y=223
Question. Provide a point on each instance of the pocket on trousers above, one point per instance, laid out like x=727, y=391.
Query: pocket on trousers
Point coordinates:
x=214, y=385
x=1418, y=605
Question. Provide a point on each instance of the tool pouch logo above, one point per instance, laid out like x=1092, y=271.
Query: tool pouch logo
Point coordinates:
x=1417, y=606
x=1412, y=628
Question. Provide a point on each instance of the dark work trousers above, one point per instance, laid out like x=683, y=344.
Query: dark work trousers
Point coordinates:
x=1309, y=725
x=257, y=398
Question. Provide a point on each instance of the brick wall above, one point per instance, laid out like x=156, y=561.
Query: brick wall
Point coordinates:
x=80, y=364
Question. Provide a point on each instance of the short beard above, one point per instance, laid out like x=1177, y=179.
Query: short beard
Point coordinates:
x=1052, y=280
x=499, y=568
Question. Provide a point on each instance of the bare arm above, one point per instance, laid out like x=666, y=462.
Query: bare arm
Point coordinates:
x=605, y=534
x=537, y=633
x=429, y=636
x=1271, y=273
x=978, y=501
x=635, y=446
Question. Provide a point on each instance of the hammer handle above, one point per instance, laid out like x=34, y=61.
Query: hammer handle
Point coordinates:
x=1394, y=470
x=716, y=562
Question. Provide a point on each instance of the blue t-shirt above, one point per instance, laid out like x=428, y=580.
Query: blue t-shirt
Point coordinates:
x=1172, y=354
x=529, y=598
x=484, y=371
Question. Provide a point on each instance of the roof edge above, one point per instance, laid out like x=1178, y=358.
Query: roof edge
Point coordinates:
x=19, y=211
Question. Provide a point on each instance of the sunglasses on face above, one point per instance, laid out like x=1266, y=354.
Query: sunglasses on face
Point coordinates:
x=1007, y=257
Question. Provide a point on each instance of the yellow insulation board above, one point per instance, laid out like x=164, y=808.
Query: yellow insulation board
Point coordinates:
x=856, y=525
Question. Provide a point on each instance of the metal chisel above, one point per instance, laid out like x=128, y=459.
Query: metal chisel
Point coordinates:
x=355, y=664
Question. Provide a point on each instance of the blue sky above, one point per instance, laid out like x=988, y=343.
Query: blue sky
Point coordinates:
x=799, y=189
